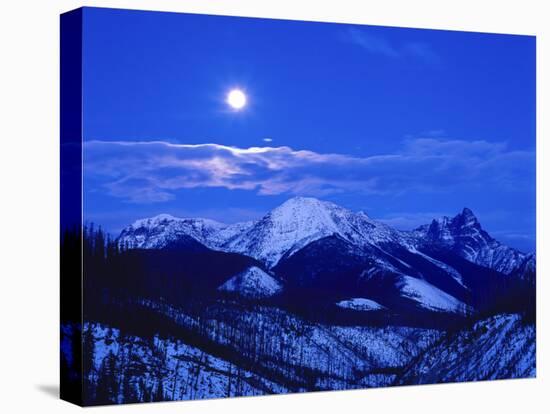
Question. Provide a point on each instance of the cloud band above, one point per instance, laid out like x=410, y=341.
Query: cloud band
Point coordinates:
x=154, y=171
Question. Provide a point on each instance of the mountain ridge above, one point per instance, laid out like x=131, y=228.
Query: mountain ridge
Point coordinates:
x=302, y=220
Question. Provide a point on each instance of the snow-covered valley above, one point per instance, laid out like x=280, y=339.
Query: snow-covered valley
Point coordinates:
x=231, y=350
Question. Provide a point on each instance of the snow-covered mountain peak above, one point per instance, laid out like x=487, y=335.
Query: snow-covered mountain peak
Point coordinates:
x=163, y=229
x=466, y=219
x=448, y=230
x=287, y=228
x=167, y=219
x=153, y=221
x=464, y=235
x=306, y=212
x=306, y=206
x=302, y=220
x=299, y=200
x=466, y=212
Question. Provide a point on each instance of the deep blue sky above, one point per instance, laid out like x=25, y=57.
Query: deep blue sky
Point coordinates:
x=404, y=124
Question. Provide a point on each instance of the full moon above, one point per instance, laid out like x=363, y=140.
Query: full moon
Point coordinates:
x=236, y=99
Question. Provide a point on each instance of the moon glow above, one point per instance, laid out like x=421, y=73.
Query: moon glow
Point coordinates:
x=236, y=99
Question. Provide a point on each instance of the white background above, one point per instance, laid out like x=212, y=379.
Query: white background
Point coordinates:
x=29, y=191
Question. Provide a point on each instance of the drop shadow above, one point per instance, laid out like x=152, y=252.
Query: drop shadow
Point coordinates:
x=51, y=390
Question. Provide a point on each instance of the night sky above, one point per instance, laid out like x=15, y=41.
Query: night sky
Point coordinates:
x=404, y=124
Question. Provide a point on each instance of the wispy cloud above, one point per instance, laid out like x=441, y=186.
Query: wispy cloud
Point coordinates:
x=409, y=221
x=379, y=45
x=372, y=43
x=525, y=242
x=422, y=51
x=514, y=235
x=154, y=171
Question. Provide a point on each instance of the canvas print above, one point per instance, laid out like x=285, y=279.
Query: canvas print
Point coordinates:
x=258, y=206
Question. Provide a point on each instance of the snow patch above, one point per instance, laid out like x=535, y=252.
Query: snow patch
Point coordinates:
x=360, y=304
x=253, y=283
x=430, y=297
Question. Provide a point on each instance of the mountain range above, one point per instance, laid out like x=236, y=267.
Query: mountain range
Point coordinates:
x=309, y=252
